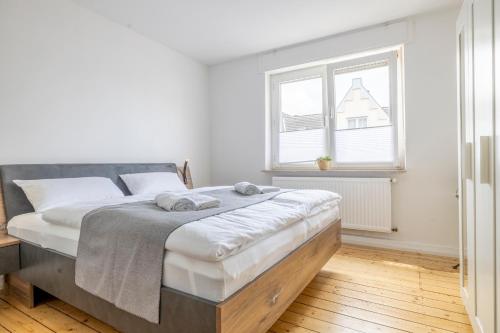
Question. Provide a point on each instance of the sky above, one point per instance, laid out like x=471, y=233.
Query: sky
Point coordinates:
x=302, y=97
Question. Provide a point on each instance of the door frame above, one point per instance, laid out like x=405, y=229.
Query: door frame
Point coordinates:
x=464, y=27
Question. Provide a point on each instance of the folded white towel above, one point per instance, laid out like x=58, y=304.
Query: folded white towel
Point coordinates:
x=247, y=188
x=180, y=202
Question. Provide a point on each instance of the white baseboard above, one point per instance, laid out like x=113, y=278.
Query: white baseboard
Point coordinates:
x=440, y=250
x=474, y=321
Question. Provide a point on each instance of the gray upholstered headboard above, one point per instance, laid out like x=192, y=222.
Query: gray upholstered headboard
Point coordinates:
x=16, y=202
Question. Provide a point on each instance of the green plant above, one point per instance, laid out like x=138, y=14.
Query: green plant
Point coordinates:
x=324, y=158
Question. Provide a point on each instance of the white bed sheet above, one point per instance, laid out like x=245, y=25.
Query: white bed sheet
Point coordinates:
x=220, y=236
x=212, y=280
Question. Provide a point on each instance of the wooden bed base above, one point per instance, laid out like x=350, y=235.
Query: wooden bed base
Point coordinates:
x=253, y=309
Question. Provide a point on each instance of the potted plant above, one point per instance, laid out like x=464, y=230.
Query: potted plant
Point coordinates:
x=323, y=162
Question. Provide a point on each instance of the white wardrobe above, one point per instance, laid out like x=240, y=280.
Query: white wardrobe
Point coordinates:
x=478, y=68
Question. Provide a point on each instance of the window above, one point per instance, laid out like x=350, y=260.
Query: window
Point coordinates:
x=350, y=110
x=356, y=122
x=302, y=131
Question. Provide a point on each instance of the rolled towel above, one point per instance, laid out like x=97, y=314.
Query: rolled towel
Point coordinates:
x=247, y=188
x=181, y=202
x=268, y=189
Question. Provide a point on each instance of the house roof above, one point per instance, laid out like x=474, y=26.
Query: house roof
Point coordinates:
x=302, y=122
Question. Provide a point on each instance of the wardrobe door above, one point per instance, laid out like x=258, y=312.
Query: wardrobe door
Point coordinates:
x=467, y=197
x=484, y=173
x=496, y=19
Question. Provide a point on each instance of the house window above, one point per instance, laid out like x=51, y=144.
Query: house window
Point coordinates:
x=357, y=122
x=350, y=110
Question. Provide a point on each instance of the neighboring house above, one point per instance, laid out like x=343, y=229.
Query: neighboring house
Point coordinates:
x=301, y=123
x=358, y=109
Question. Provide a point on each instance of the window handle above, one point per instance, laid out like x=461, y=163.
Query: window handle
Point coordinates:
x=484, y=150
x=469, y=158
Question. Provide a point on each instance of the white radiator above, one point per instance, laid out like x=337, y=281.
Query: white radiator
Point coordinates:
x=366, y=203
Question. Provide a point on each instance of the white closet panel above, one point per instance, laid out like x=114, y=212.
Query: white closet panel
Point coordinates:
x=477, y=87
x=496, y=59
x=485, y=218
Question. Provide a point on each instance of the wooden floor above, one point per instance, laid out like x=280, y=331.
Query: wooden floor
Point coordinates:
x=359, y=290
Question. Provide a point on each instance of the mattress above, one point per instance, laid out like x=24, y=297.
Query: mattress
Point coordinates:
x=212, y=277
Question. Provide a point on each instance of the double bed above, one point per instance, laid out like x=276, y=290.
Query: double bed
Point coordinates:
x=232, y=272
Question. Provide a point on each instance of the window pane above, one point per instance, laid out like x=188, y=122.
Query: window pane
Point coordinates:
x=302, y=124
x=363, y=125
x=351, y=123
x=363, y=122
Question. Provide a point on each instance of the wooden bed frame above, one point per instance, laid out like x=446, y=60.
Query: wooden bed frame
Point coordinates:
x=253, y=309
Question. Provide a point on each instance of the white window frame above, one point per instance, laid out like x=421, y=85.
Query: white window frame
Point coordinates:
x=326, y=71
x=276, y=82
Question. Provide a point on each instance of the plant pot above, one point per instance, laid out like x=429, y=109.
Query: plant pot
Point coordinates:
x=323, y=164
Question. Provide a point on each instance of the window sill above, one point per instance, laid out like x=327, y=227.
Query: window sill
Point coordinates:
x=334, y=172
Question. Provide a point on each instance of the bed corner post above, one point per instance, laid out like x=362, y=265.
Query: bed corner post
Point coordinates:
x=3, y=217
x=185, y=174
x=22, y=290
x=15, y=285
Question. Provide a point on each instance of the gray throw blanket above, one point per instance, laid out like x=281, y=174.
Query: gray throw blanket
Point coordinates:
x=121, y=249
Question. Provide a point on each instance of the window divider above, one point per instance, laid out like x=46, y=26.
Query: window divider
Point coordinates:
x=331, y=110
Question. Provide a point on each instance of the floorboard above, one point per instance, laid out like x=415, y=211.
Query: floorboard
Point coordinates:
x=361, y=289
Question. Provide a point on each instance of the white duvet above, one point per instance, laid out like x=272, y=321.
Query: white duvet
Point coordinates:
x=217, y=237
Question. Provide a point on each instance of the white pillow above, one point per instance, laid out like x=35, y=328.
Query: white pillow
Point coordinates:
x=153, y=182
x=44, y=194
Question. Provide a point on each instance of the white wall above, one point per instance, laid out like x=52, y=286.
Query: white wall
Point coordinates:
x=75, y=87
x=424, y=205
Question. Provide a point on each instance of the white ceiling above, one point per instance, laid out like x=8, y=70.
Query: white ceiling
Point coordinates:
x=215, y=31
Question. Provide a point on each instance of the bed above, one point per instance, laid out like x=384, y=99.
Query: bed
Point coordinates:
x=245, y=290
